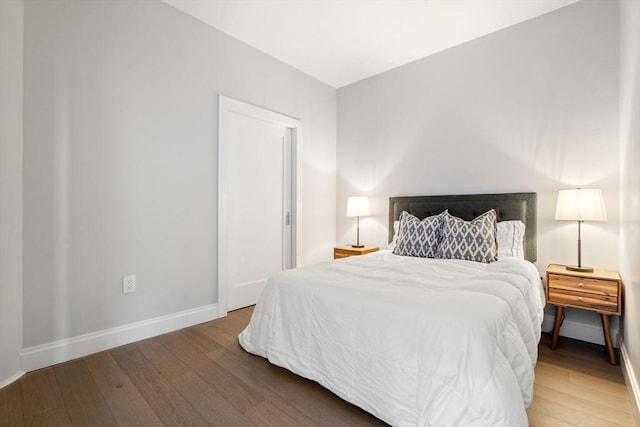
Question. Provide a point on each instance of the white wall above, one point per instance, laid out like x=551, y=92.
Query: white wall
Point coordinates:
x=630, y=181
x=11, y=52
x=120, y=141
x=533, y=107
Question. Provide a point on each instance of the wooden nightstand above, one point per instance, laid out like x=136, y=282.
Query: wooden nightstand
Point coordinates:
x=599, y=291
x=347, y=251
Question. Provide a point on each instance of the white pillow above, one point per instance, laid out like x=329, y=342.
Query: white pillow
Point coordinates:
x=394, y=240
x=510, y=239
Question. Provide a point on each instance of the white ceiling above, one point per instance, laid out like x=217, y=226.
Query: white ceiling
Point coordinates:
x=342, y=41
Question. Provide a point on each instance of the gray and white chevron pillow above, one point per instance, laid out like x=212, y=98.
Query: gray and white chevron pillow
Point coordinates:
x=418, y=238
x=469, y=240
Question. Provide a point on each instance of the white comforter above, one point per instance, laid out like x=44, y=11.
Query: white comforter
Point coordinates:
x=414, y=341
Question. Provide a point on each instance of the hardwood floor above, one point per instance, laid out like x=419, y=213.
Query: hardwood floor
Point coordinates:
x=576, y=386
x=201, y=376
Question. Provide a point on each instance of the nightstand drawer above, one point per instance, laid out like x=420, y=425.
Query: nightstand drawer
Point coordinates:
x=583, y=299
x=583, y=285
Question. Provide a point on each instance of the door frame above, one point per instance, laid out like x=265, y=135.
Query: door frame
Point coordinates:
x=228, y=105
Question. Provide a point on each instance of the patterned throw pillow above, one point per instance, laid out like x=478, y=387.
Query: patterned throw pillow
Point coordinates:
x=418, y=238
x=469, y=240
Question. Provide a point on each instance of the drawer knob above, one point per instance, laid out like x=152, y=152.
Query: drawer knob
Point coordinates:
x=580, y=299
x=581, y=285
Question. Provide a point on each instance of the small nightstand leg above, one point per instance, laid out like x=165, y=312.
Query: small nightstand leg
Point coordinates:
x=556, y=327
x=613, y=356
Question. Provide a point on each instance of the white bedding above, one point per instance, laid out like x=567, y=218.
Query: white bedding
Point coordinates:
x=414, y=341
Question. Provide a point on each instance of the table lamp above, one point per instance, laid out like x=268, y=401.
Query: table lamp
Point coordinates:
x=358, y=206
x=580, y=204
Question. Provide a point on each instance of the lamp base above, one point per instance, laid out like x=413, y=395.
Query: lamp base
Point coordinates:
x=579, y=268
x=357, y=246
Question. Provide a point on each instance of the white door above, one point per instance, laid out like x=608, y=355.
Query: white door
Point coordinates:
x=257, y=216
x=255, y=203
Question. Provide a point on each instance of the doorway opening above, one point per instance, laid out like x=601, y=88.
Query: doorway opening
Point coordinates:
x=258, y=199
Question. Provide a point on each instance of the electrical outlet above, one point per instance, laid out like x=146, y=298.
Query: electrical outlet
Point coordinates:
x=128, y=284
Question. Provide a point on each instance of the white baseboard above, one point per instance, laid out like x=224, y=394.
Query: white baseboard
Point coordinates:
x=581, y=331
x=11, y=379
x=48, y=354
x=632, y=381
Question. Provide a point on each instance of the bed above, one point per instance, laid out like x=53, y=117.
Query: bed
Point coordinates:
x=415, y=341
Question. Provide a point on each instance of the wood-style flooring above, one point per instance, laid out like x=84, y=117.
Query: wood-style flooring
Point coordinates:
x=200, y=376
x=576, y=386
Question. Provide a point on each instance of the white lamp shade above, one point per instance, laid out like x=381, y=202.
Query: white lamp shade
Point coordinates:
x=358, y=206
x=580, y=204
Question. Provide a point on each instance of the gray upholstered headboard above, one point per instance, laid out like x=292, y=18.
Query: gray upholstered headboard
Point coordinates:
x=509, y=206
